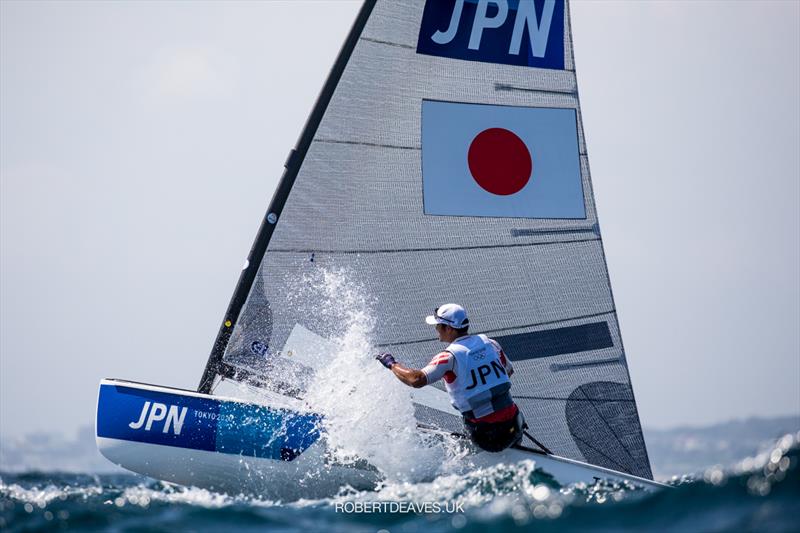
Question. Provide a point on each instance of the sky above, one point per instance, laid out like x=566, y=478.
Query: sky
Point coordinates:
x=141, y=142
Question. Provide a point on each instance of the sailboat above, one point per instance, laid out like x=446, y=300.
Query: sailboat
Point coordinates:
x=444, y=160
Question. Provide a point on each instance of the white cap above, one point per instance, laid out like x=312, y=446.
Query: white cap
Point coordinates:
x=452, y=315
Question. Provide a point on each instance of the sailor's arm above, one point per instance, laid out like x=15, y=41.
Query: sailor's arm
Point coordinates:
x=441, y=364
x=410, y=376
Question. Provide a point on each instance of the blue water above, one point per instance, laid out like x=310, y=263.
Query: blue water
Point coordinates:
x=760, y=493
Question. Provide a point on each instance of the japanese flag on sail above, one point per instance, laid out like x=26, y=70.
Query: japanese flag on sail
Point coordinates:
x=500, y=161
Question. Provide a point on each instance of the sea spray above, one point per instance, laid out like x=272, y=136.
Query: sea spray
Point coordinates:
x=368, y=414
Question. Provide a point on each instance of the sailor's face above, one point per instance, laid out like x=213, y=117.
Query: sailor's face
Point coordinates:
x=440, y=329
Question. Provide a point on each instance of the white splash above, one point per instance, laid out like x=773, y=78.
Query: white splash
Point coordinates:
x=367, y=412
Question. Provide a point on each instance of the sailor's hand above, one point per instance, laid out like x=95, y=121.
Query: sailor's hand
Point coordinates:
x=386, y=359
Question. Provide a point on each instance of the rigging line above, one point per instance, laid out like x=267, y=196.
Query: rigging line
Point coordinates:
x=216, y=384
x=570, y=399
x=506, y=87
x=593, y=315
x=451, y=248
x=527, y=449
x=623, y=468
x=388, y=43
x=627, y=451
x=544, y=448
x=374, y=145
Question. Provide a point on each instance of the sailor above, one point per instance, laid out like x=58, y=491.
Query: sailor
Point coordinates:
x=476, y=375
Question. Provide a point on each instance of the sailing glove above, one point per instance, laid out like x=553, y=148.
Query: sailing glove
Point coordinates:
x=386, y=359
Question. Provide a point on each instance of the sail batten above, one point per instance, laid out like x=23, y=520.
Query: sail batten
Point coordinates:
x=442, y=249
x=394, y=136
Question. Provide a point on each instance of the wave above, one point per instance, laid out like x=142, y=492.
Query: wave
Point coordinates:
x=757, y=493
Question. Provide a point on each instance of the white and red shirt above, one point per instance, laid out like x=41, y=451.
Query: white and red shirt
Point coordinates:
x=475, y=371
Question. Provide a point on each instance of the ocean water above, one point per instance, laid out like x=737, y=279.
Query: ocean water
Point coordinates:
x=760, y=493
x=425, y=486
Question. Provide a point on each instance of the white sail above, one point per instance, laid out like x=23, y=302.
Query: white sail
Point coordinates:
x=389, y=181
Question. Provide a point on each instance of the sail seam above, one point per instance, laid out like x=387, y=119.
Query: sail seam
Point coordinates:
x=404, y=250
x=388, y=43
x=572, y=399
x=376, y=145
x=559, y=321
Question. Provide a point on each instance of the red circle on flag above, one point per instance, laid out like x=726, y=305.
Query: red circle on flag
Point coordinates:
x=499, y=161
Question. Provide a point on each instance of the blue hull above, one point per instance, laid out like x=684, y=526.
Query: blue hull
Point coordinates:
x=225, y=444
x=202, y=422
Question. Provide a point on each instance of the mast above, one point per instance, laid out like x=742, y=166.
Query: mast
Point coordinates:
x=215, y=366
